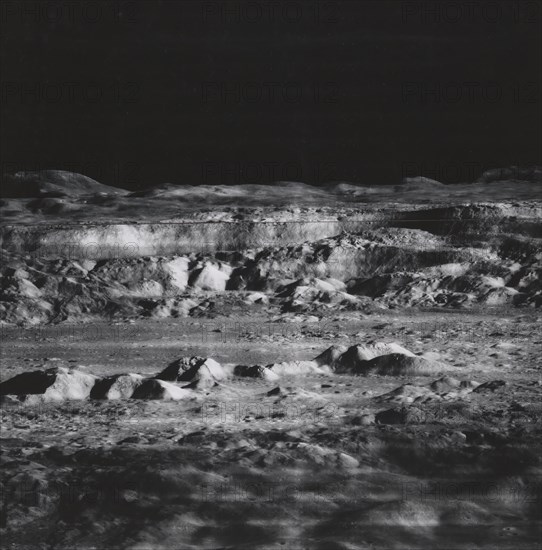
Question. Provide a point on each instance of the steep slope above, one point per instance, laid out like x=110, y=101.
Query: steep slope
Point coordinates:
x=53, y=183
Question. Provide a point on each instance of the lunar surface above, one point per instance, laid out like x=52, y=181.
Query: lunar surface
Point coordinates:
x=271, y=367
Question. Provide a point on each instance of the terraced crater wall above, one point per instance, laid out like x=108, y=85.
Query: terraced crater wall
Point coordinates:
x=135, y=239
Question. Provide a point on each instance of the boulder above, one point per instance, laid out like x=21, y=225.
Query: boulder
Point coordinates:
x=397, y=364
x=331, y=356
x=296, y=368
x=119, y=386
x=199, y=372
x=255, y=371
x=55, y=384
x=347, y=360
x=176, y=369
x=403, y=415
x=211, y=277
x=490, y=386
x=151, y=388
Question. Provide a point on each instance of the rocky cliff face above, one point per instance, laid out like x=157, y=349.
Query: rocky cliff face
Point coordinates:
x=343, y=255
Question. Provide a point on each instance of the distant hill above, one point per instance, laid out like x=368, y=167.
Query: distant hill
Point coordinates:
x=53, y=183
x=421, y=180
x=512, y=173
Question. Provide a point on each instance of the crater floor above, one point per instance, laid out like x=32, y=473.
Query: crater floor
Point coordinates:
x=315, y=449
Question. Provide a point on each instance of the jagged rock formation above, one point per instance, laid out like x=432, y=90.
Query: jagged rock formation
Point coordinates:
x=182, y=376
x=256, y=371
x=119, y=386
x=351, y=272
x=158, y=389
x=54, y=384
x=310, y=259
x=199, y=372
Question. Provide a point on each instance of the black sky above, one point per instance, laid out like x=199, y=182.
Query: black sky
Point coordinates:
x=141, y=93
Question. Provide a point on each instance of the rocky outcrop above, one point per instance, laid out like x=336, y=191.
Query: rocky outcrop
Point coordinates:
x=255, y=371
x=151, y=388
x=120, y=386
x=103, y=271
x=198, y=372
x=54, y=384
